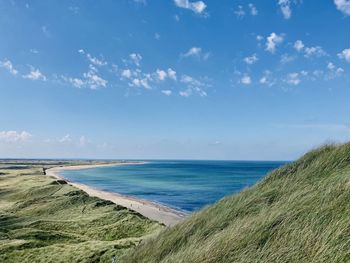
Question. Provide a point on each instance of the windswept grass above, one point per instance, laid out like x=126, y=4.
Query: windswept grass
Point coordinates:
x=299, y=213
x=42, y=220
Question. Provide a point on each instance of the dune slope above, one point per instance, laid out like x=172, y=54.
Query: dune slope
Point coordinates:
x=44, y=220
x=298, y=213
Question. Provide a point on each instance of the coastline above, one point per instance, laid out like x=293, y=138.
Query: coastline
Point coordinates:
x=154, y=211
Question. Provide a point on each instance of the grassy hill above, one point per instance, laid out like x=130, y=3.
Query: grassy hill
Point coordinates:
x=298, y=213
x=42, y=220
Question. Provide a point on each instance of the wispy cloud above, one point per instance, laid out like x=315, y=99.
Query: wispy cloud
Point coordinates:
x=14, y=136
x=333, y=71
x=7, y=64
x=315, y=51
x=293, y=79
x=285, y=6
x=345, y=54
x=197, y=7
x=167, y=92
x=35, y=74
x=193, y=86
x=136, y=58
x=267, y=79
x=162, y=74
x=343, y=6
x=251, y=59
x=93, y=80
x=46, y=31
x=246, y=80
x=253, y=10
x=65, y=139
x=196, y=52
x=93, y=60
x=241, y=11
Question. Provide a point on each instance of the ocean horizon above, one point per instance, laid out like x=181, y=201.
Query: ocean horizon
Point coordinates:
x=183, y=185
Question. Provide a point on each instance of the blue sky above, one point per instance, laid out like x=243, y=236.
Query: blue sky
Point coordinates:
x=163, y=79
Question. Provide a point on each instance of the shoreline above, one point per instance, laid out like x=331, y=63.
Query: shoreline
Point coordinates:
x=149, y=209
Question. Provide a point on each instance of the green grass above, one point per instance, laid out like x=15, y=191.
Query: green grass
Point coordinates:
x=43, y=221
x=298, y=213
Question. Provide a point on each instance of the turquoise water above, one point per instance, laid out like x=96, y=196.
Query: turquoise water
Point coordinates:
x=183, y=185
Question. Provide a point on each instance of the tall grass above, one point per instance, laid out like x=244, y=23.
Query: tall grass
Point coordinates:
x=43, y=221
x=298, y=213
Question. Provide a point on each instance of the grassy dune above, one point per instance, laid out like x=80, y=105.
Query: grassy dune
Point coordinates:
x=299, y=213
x=42, y=220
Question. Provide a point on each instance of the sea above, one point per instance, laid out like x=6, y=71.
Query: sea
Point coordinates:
x=186, y=186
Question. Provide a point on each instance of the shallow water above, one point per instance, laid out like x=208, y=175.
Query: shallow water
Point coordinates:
x=183, y=185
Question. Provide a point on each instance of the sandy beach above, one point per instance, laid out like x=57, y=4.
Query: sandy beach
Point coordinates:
x=151, y=210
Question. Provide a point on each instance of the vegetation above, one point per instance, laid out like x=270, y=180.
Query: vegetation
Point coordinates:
x=46, y=220
x=298, y=213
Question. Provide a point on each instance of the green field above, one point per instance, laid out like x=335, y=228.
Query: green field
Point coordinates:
x=42, y=220
x=298, y=213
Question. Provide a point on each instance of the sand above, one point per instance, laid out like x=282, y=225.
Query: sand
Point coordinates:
x=154, y=211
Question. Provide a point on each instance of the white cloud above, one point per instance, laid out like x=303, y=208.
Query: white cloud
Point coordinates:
x=93, y=60
x=126, y=73
x=197, y=52
x=253, y=10
x=76, y=82
x=167, y=92
x=286, y=58
x=267, y=79
x=90, y=79
x=316, y=51
x=162, y=74
x=345, y=54
x=333, y=71
x=14, y=136
x=96, y=61
x=197, y=7
x=285, y=8
x=7, y=64
x=185, y=93
x=34, y=51
x=65, y=139
x=35, y=74
x=293, y=79
x=343, y=6
x=299, y=45
x=246, y=80
x=251, y=59
x=193, y=85
x=272, y=41
x=259, y=38
x=136, y=58
x=239, y=13
x=93, y=80
x=172, y=74
x=143, y=82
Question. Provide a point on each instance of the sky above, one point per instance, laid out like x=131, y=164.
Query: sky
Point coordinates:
x=173, y=79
